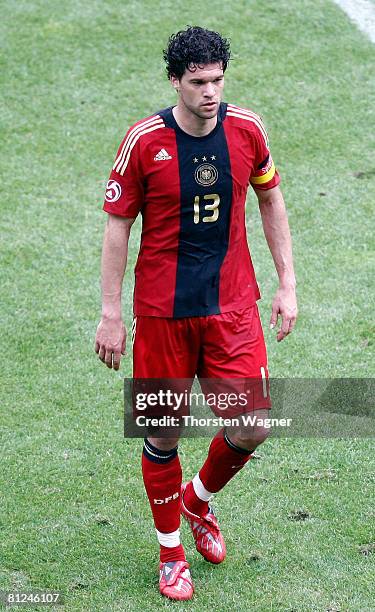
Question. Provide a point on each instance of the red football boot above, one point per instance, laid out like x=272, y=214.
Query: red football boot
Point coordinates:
x=175, y=580
x=206, y=532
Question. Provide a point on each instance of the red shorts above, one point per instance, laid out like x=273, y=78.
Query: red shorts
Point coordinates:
x=221, y=347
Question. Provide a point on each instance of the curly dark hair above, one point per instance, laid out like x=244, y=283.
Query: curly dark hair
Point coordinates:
x=193, y=47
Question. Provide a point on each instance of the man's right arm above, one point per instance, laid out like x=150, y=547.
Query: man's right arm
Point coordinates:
x=110, y=338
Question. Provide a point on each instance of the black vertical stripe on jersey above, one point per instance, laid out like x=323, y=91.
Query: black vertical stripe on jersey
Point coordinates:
x=203, y=246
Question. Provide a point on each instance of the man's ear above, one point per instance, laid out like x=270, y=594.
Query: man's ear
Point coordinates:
x=175, y=82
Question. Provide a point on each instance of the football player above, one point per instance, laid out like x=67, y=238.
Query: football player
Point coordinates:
x=186, y=169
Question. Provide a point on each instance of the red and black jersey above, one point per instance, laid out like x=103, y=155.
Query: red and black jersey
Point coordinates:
x=194, y=258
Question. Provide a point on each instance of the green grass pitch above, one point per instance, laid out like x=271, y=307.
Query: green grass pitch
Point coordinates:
x=299, y=522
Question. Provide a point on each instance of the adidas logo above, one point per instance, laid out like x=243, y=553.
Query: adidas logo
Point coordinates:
x=162, y=155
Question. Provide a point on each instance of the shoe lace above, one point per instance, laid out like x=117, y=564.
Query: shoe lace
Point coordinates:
x=210, y=520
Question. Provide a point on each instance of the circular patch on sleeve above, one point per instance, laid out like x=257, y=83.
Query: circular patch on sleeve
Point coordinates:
x=112, y=191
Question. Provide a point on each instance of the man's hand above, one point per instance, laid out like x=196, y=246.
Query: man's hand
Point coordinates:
x=110, y=341
x=111, y=333
x=276, y=231
x=285, y=305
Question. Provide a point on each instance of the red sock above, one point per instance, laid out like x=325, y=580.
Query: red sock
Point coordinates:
x=176, y=553
x=162, y=476
x=224, y=460
x=194, y=503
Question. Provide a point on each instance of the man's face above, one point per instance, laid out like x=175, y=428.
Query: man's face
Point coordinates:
x=200, y=90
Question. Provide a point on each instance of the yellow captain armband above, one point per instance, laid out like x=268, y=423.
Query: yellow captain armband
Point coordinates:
x=264, y=178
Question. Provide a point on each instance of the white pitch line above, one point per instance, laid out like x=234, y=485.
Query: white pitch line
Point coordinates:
x=362, y=12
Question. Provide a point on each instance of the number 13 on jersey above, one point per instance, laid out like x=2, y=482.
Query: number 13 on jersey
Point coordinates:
x=213, y=201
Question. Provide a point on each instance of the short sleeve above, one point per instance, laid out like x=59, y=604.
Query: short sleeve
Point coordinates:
x=124, y=192
x=264, y=174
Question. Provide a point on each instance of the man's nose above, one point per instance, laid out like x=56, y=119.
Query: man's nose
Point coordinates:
x=209, y=90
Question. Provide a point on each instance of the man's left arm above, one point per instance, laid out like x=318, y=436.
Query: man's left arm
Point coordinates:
x=277, y=233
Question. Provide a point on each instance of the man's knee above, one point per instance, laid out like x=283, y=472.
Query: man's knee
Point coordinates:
x=249, y=439
x=250, y=436
x=165, y=443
